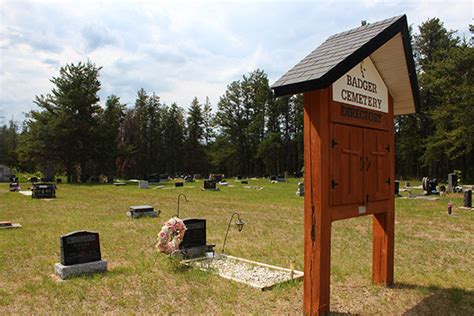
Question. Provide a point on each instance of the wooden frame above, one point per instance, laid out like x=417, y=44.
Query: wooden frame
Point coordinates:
x=320, y=116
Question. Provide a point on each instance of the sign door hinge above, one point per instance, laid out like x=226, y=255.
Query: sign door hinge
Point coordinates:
x=387, y=148
x=388, y=181
x=313, y=223
x=334, y=184
x=334, y=143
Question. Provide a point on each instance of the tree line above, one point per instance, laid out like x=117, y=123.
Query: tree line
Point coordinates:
x=250, y=132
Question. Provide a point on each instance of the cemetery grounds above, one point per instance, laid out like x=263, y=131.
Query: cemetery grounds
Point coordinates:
x=434, y=253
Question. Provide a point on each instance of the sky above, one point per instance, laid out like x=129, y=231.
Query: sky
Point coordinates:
x=176, y=49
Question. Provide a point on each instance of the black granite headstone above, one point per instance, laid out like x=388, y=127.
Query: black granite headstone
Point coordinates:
x=244, y=182
x=397, y=188
x=179, y=184
x=209, y=185
x=467, y=202
x=273, y=178
x=43, y=190
x=452, y=182
x=80, y=247
x=195, y=235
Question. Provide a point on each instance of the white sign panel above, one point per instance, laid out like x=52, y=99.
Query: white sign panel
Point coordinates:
x=362, y=86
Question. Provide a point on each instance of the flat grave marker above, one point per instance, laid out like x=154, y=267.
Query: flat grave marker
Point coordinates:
x=138, y=211
x=8, y=224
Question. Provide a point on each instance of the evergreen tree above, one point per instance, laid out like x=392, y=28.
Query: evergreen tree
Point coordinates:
x=196, y=159
x=64, y=130
x=9, y=144
x=110, y=123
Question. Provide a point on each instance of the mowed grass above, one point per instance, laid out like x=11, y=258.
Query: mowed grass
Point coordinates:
x=434, y=254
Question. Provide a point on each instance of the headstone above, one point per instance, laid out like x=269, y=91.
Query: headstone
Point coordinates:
x=42, y=190
x=189, y=178
x=59, y=180
x=143, y=184
x=80, y=254
x=8, y=224
x=194, y=240
x=14, y=187
x=117, y=184
x=281, y=178
x=244, y=182
x=452, y=182
x=467, y=201
x=33, y=179
x=217, y=177
x=197, y=176
x=224, y=183
x=397, y=188
x=300, y=191
x=179, y=184
x=138, y=211
x=209, y=185
x=238, y=178
x=273, y=178
x=154, y=178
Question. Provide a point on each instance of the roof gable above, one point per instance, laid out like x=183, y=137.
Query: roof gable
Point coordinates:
x=385, y=42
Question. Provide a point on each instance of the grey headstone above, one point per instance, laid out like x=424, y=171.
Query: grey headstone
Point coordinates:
x=138, y=211
x=66, y=272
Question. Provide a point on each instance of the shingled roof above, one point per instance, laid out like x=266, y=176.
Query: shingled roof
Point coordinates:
x=385, y=42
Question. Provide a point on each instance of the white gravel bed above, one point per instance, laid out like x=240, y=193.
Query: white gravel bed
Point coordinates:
x=252, y=273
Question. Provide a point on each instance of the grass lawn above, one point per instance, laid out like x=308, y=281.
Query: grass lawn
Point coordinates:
x=434, y=254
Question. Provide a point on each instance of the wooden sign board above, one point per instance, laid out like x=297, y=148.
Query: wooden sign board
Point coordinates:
x=353, y=84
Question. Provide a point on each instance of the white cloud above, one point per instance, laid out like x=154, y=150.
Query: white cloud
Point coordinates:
x=178, y=49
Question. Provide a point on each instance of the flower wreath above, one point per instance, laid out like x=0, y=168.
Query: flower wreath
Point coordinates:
x=171, y=235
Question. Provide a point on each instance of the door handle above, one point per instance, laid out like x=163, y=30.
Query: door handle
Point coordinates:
x=368, y=163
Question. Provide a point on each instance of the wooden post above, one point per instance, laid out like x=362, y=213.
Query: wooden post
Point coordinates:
x=317, y=218
x=383, y=241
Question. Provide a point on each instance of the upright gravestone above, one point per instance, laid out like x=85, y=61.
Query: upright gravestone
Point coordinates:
x=42, y=190
x=143, y=184
x=300, y=191
x=467, y=201
x=194, y=242
x=138, y=211
x=80, y=254
x=452, y=182
x=210, y=185
x=397, y=188
x=179, y=184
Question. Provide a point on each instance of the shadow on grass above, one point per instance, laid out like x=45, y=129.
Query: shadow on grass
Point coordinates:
x=440, y=301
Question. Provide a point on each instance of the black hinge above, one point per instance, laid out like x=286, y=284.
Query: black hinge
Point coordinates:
x=334, y=143
x=388, y=181
x=313, y=223
x=387, y=148
x=334, y=184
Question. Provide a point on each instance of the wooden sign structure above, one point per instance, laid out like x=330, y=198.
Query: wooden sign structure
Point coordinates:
x=353, y=85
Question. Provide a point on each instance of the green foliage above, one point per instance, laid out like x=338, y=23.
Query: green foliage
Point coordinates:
x=440, y=136
x=8, y=144
x=63, y=132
